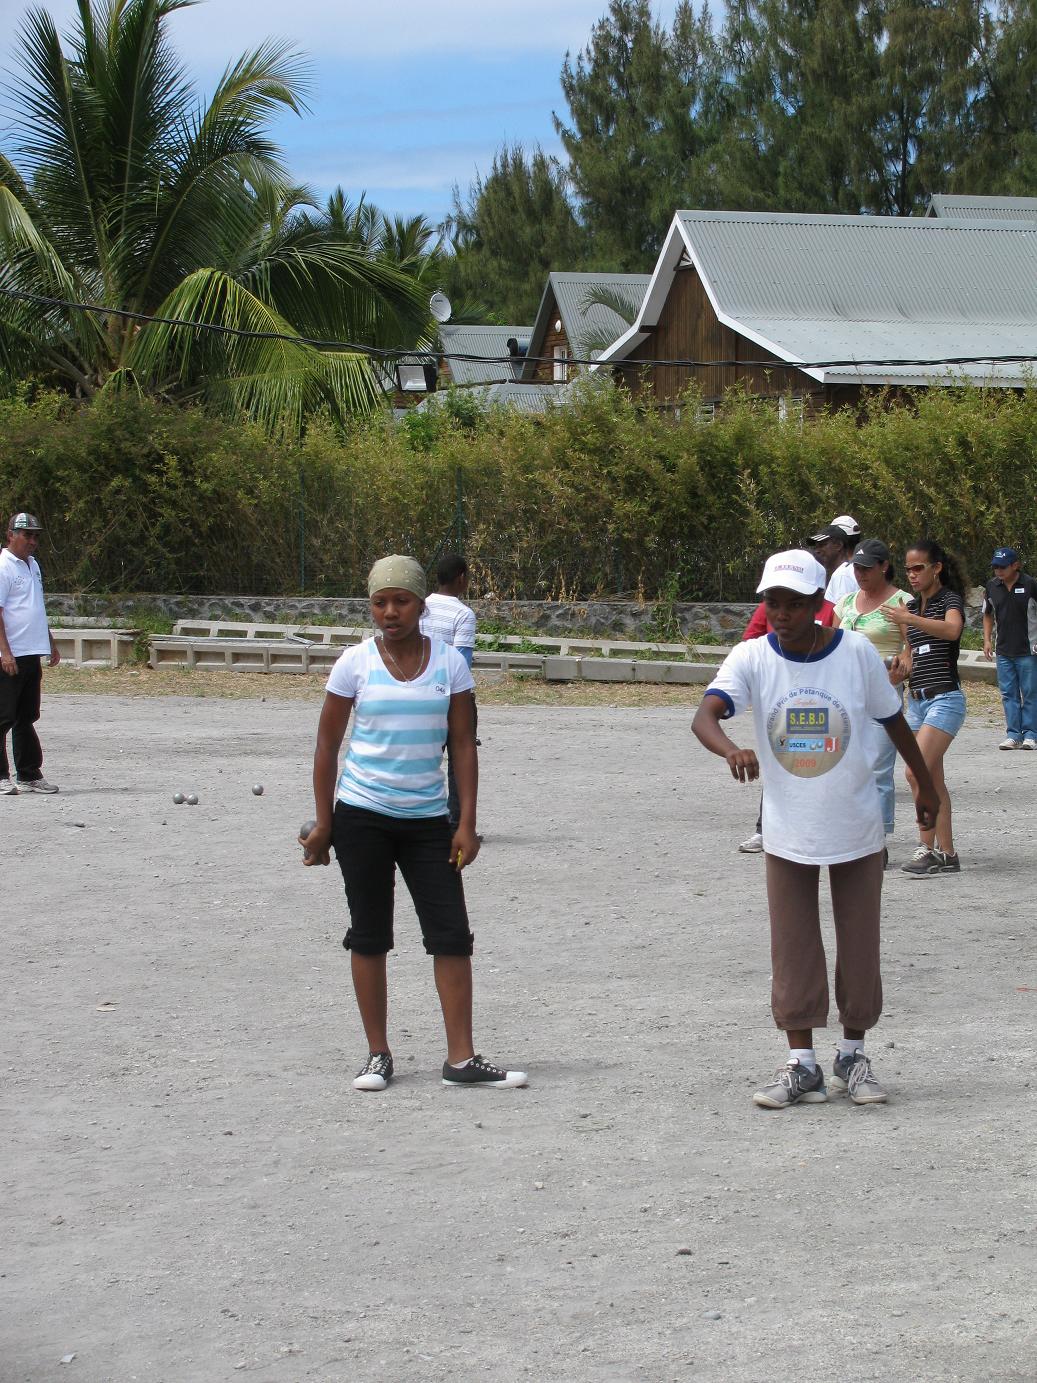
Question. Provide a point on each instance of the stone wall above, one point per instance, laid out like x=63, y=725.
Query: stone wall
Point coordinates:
x=620, y=619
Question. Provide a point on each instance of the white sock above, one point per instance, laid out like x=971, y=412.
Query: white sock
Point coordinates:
x=849, y=1045
x=806, y=1056
x=460, y=1065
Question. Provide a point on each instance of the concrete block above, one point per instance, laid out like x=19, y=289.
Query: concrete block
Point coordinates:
x=561, y=669
x=606, y=670
x=683, y=673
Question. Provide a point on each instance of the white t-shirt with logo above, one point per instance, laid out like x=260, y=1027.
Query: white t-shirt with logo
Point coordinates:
x=820, y=802
x=21, y=600
x=394, y=764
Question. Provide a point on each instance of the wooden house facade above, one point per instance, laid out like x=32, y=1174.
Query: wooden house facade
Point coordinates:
x=811, y=310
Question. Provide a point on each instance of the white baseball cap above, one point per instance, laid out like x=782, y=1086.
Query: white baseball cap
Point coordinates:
x=848, y=524
x=795, y=570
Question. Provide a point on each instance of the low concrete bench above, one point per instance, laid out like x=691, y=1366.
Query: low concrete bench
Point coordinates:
x=244, y=647
x=240, y=655
x=95, y=647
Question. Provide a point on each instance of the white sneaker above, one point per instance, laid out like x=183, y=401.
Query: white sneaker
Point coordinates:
x=752, y=846
x=1009, y=743
x=36, y=785
x=7, y=788
x=1028, y=744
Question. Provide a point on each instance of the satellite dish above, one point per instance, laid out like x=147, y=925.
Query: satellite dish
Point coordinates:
x=439, y=306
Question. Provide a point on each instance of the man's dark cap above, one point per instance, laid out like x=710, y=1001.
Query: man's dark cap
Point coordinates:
x=24, y=523
x=833, y=531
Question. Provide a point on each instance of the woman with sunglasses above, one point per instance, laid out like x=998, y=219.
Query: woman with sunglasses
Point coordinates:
x=862, y=611
x=933, y=623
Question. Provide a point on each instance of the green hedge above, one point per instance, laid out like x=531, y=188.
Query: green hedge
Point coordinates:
x=594, y=500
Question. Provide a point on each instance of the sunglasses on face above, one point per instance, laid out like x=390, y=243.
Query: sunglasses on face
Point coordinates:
x=920, y=567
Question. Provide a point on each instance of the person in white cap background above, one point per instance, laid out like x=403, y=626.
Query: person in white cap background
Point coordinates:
x=25, y=639
x=387, y=809
x=834, y=546
x=813, y=690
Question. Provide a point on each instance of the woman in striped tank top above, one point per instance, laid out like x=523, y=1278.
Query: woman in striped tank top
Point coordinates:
x=388, y=808
x=933, y=623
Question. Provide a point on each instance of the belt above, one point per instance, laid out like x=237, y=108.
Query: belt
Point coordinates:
x=927, y=693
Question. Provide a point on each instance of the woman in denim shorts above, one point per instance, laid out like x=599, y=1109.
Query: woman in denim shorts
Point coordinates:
x=933, y=622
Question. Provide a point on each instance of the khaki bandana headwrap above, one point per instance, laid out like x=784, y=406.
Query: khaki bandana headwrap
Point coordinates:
x=403, y=573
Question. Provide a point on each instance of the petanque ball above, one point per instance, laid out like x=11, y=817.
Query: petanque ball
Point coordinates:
x=191, y=799
x=304, y=830
x=178, y=798
x=257, y=789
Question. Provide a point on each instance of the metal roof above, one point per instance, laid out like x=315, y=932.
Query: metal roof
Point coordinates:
x=847, y=288
x=488, y=341
x=526, y=398
x=589, y=326
x=964, y=208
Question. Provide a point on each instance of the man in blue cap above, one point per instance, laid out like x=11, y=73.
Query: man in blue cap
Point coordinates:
x=1010, y=607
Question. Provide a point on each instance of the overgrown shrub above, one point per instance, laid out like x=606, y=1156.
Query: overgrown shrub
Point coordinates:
x=596, y=499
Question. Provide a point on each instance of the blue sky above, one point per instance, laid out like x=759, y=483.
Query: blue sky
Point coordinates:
x=408, y=98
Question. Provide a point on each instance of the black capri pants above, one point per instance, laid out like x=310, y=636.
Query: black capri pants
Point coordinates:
x=369, y=846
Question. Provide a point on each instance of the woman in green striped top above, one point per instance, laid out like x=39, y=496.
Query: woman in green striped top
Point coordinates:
x=862, y=613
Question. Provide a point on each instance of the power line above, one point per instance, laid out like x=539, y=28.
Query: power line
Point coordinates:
x=414, y=354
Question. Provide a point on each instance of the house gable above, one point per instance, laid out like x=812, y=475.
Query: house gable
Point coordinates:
x=850, y=301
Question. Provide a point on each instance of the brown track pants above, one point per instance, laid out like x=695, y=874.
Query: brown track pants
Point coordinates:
x=799, y=982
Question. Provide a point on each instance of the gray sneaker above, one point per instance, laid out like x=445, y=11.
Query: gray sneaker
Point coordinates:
x=854, y=1074
x=7, y=788
x=36, y=785
x=793, y=1083
x=949, y=864
x=922, y=863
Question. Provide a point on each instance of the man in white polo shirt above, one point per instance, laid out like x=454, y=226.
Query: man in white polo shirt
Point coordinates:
x=24, y=639
x=447, y=617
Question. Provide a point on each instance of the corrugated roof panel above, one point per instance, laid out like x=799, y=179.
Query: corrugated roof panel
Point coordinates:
x=589, y=325
x=488, y=341
x=866, y=268
x=961, y=207
x=526, y=398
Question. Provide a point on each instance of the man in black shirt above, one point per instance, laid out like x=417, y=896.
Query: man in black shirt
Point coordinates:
x=1010, y=604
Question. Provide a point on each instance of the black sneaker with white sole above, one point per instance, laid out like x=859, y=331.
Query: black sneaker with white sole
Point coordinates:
x=376, y=1072
x=481, y=1072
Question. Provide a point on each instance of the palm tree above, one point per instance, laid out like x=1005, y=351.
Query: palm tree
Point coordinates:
x=125, y=190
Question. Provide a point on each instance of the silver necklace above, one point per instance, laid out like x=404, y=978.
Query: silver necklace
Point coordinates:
x=421, y=664
x=817, y=630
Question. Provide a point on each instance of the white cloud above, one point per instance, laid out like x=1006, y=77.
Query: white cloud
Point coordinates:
x=434, y=168
x=207, y=33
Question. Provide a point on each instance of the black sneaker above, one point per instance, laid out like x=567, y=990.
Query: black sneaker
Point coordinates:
x=376, y=1072
x=948, y=864
x=480, y=1072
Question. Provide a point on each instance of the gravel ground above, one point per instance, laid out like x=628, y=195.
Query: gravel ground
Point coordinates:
x=192, y=1191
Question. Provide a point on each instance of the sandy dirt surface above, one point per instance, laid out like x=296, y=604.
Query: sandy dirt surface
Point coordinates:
x=192, y=1191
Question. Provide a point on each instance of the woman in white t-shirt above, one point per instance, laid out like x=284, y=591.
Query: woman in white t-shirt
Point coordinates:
x=813, y=691
x=388, y=808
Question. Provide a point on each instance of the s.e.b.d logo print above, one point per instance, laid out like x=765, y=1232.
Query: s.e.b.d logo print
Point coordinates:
x=809, y=731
